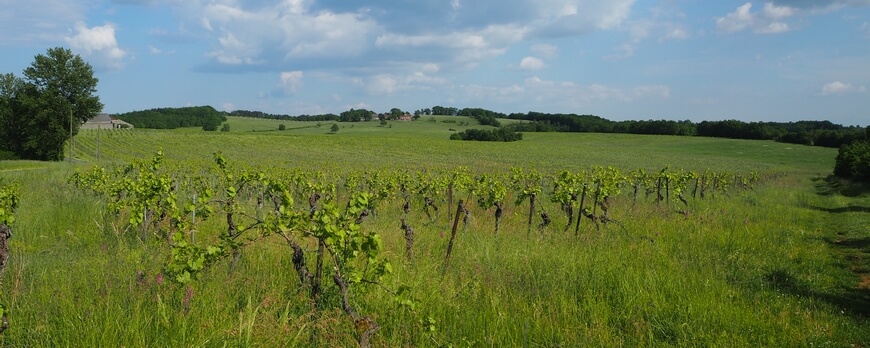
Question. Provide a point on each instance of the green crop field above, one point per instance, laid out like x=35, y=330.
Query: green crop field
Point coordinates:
x=779, y=261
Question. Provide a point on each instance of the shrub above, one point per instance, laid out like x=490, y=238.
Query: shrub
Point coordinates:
x=853, y=161
x=500, y=134
x=282, y=127
x=225, y=128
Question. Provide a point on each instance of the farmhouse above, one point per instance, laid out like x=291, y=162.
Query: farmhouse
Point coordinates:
x=104, y=121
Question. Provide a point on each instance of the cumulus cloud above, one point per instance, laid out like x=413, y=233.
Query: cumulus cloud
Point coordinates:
x=768, y=21
x=274, y=34
x=838, y=87
x=462, y=47
x=563, y=93
x=389, y=84
x=155, y=51
x=821, y=4
x=531, y=63
x=278, y=32
x=777, y=12
x=291, y=80
x=98, y=43
x=556, y=18
x=38, y=21
x=659, y=25
x=675, y=33
x=545, y=50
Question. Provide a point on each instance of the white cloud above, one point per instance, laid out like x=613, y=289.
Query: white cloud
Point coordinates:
x=738, y=20
x=838, y=87
x=291, y=80
x=98, y=43
x=822, y=5
x=676, y=33
x=468, y=47
x=572, y=17
x=389, y=84
x=430, y=68
x=155, y=51
x=768, y=21
x=777, y=12
x=773, y=28
x=545, y=50
x=284, y=31
x=638, y=31
x=206, y=24
x=531, y=63
x=38, y=22
x=563, y=93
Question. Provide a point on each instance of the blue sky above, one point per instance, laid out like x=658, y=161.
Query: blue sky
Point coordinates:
x=779, y=60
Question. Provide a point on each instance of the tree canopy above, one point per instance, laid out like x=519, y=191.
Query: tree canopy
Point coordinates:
x=169, y=118
x=40, y=112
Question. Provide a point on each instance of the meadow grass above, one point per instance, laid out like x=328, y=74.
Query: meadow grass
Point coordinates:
x=779, y=265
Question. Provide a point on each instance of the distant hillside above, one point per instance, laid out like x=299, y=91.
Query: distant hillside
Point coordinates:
x=170, y=118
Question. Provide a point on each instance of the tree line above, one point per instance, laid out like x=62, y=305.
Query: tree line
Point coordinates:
x=818, y=133
x=303, y=117
x=170, y=118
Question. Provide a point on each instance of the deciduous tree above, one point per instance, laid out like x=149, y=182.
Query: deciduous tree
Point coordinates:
x=45, y=109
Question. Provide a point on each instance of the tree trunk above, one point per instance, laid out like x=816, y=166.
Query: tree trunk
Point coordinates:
x=498, y=213
x=5, y=234
x=409, y=240
x=580, y=214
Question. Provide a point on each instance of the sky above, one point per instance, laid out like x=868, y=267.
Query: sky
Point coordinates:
x=778, y=60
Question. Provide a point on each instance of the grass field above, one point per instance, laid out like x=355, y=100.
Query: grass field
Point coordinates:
x=784, y=264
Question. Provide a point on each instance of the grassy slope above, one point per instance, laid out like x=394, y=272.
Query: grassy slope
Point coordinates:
x=758, y=269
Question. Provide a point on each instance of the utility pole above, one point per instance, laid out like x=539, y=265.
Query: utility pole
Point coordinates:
x=70, y=136
x=99, y=130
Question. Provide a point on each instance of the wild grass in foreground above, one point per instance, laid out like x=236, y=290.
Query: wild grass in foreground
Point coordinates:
x=755, y=268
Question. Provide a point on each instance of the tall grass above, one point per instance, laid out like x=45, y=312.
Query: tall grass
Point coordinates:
x=755, y=268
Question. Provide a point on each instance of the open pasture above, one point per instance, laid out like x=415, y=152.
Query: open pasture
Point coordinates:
x=743, y=267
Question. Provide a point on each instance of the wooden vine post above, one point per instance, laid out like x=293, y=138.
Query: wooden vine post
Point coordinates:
x=459, y=209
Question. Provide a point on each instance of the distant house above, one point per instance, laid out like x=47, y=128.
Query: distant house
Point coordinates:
x=104, y=121
x=405, y=117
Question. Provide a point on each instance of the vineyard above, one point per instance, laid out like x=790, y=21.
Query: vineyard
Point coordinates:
x=180, y=238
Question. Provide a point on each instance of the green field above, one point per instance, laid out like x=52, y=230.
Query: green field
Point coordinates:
x=784, y=264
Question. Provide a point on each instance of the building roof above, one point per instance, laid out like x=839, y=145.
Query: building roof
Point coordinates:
x=100, y=118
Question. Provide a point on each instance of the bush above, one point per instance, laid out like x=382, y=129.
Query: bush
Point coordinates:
x=500, y=134
x=282, y=127
x=225, y=128
x=7, y=155
x=853, y=161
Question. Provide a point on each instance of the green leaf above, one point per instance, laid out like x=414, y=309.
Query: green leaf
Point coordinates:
x=183, y=277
